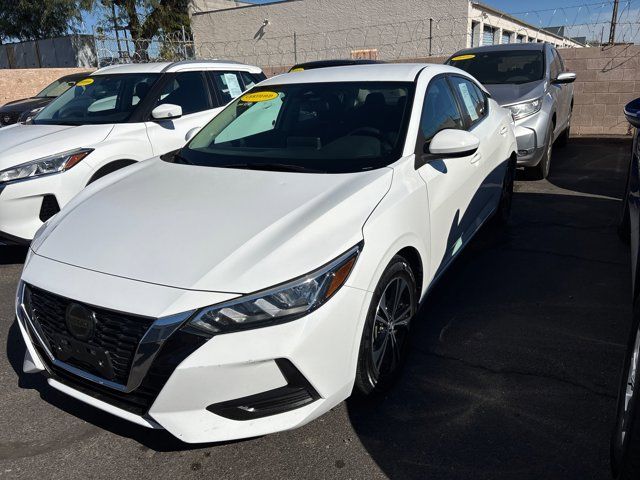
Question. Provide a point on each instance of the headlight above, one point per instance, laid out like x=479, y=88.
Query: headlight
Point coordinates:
x=279, y=304
x=45, y=166
x=521, y=110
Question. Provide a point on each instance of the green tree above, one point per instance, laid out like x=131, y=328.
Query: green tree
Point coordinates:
x=33, y=20
x=145, y=19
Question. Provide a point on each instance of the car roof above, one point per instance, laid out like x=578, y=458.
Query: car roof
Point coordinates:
x=187, y=65
x=384, y=72
x=334, y=63
x=505, y=47
x=74, y=76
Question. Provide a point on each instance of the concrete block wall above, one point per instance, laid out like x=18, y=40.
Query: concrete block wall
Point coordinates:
x=607, y=79
x=264, y=34
x=26, y=82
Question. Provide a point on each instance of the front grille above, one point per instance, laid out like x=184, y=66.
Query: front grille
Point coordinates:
x=116, y=335
x=178, y=347
x=8, y=118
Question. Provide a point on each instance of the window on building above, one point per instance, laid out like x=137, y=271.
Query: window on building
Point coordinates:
x=475, y=34
x=488, y=34
x=520, y=39
x=506, y=37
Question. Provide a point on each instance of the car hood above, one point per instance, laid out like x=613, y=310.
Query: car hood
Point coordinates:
x=25, y=104
x=213, y=229
x=22, y=143
x=510, y=93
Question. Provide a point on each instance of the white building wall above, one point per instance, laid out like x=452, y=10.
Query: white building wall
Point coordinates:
x=329, y=29
x=501, y=22
x=284, y=33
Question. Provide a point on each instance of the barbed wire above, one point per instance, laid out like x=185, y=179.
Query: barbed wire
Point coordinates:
x=214, y=37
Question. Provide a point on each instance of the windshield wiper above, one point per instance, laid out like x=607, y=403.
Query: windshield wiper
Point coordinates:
x=275, y=167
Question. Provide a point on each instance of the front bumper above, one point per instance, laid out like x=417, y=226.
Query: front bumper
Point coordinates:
x=23, y=202
x=531, y=138
x=322, y=347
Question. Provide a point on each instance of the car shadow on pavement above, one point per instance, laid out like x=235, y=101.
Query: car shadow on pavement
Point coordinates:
x=517, y=350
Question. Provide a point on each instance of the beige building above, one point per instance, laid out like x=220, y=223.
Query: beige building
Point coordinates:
x=291, y=31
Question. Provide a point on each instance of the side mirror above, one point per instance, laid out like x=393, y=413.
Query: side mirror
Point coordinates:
x=632, y=112
x=566, y=77
x=166, y=111
x=450, y=143
x=191, y=133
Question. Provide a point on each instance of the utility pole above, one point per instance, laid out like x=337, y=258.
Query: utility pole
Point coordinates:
x=614, y=20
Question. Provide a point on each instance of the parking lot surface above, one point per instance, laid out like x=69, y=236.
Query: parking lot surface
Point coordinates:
x=513, y=373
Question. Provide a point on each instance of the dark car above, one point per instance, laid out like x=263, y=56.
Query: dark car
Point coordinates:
x=19, y=110
x=330, y=63
x=625, y=441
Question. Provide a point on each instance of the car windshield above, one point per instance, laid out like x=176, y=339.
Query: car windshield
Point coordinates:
x=56, y=88
x=326, y=127
x=98, y=99
x=515, y=66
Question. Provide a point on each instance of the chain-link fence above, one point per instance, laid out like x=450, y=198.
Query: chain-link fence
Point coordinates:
x=251, y=36
x=112, y=49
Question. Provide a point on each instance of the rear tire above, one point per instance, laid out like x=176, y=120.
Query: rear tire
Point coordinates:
x=385, y=337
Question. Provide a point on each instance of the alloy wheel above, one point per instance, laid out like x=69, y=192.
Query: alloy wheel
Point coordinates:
x=389, y=335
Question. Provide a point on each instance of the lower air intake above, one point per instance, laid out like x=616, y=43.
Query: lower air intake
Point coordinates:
x=297, y=393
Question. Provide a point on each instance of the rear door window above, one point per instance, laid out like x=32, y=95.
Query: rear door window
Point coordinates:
x=472, y=99
x=227, y=85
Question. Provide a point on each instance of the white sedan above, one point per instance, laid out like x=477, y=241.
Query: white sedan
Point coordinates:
x=255, y=279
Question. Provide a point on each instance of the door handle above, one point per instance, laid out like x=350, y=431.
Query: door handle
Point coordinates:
x=476, y=158
x=503, y=131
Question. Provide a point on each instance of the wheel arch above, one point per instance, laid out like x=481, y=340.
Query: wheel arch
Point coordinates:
x=110, y=167
x=412, y=256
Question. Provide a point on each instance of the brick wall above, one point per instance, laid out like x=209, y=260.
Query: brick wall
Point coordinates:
x=607, y=79
x=22, y=83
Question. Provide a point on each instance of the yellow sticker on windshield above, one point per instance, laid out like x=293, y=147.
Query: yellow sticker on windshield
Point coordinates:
x=462, y=57
x=85, y=82
x=259, y=97
x=299, y=69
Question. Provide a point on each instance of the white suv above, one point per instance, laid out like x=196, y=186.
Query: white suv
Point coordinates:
x=115, y=117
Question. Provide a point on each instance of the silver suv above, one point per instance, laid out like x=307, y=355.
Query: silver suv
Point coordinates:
x=530, y=80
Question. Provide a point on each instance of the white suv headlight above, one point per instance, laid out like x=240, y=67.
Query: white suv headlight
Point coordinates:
x=521, y=110
x=279, y=304
x=45, y=166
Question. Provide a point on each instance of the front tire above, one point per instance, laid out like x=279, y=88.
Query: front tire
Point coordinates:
x=541, y=171
x=503, y=212
x=625, y=441
x=385, y=337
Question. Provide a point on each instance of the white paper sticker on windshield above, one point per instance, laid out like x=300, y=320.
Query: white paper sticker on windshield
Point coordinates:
x=231, y=79
x=468, y=101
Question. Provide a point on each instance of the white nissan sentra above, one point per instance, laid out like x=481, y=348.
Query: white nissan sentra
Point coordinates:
x=273, y=266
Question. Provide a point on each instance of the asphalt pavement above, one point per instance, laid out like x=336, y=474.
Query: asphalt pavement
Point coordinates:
x=513, y=373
